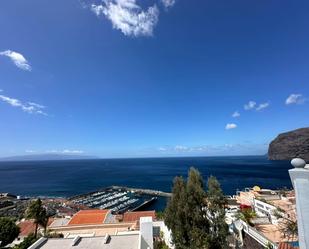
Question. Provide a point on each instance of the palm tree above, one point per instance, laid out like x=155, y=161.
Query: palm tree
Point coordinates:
x=37, y=212
x=289, y=226
x=290, y=229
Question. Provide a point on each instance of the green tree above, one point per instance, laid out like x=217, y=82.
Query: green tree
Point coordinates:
x=37, y=212
x=175, y=214
x=28, y=241
x=216, y=214
x=8, y=231
x=288, y=226
x=160, y=215
x=246, y=215
x=198, y=224
x=185, y=214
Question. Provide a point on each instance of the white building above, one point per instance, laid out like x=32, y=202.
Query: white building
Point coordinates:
x=142, y=239
x=265, y=209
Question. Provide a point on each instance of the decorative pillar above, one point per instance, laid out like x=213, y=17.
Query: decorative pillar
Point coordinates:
x=300, y=180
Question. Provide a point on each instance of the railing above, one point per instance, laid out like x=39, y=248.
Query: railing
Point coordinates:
x=259, y=237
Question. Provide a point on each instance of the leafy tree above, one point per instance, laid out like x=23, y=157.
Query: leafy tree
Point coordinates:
x=175, y=214
x=37, y=212
x=246, y=215
x=160, y=245
x=195, y=210
x=195, y=222
x=216, y=214
x=160, y=215
x=28, y=241
x=8, y=231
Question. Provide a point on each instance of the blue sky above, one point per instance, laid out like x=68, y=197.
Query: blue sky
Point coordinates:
x=131, y=78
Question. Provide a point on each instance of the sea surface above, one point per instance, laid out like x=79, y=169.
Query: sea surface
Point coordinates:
x=71, y=177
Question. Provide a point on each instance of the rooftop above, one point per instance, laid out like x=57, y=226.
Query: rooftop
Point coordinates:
x=27, y=227
x=135, y=216
x=128, y=241
x=85, y=217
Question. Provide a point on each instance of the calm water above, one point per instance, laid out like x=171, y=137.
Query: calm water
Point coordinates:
x=67, y=178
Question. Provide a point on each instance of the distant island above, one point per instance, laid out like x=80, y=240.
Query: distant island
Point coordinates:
x=47, y=157
x=290, y=144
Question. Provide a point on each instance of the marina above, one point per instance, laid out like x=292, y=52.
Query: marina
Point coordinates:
x=117, y=199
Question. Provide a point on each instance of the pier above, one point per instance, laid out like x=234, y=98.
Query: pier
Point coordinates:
x=144, y=191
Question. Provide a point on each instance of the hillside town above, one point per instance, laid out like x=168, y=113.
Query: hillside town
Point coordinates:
x=256, y=218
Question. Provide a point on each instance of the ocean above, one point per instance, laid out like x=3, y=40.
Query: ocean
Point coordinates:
x=71, y=177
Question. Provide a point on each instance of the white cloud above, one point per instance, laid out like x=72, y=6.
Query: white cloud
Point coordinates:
x=244, y=148
x=180, y=148
x=128, y=16
x=18, y=59
x=162, y=149
x=251, y=105
x=230, y=126
x=65, y=151
x=29, y=107
x=36, y=105
x=168, y=3
x=236, y=114
x=72, y=151
x=295, y=99
x=262, y=106
x=30, y=151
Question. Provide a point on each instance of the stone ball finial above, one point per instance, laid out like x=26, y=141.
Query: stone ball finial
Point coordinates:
x=298, y=163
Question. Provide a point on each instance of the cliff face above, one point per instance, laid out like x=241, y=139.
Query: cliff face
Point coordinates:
x=289, y=145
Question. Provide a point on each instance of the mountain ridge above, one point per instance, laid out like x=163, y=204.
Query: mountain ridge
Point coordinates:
x=46, y=157
x=289, y=145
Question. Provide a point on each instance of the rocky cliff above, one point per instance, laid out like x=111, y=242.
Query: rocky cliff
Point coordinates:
x=289, y=145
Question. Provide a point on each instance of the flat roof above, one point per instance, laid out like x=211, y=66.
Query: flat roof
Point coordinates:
x=135, y=216
x=87, y=217
x=58, y=222
x=128, y=241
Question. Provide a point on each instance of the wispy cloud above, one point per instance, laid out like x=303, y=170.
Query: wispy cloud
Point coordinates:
x=30, y=151
x=28, y=107
x=236, y=114
x=18, y=59
x=250, y=105
x=262, y=106
x=180, y=148
x=168, y=3
x=72, y=151
x=128, y=17
x=65, y=151
x=295, y=99
x=230, y=126
x=245, y=148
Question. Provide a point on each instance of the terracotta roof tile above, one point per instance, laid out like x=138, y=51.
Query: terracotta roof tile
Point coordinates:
x=284, y=245
x=135, y=216
x=27, y=227
x=87, y=217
